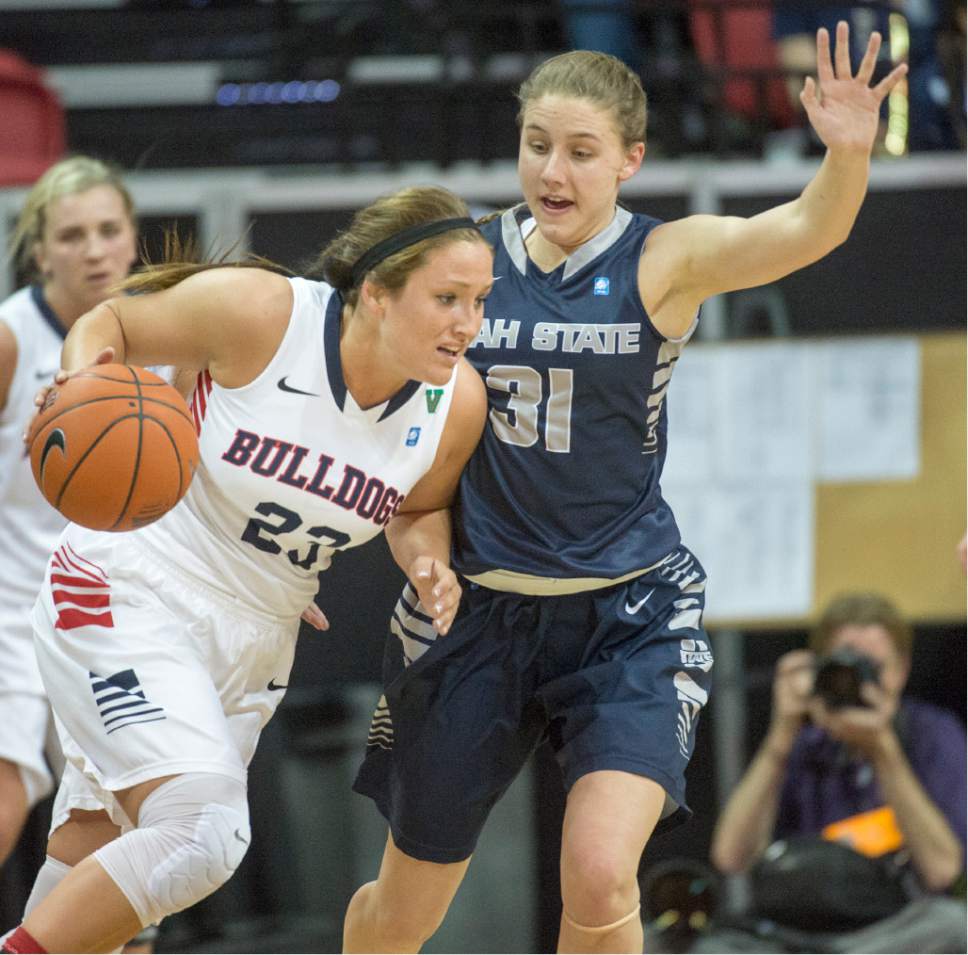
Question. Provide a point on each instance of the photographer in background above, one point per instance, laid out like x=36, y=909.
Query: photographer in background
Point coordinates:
x=882, y=772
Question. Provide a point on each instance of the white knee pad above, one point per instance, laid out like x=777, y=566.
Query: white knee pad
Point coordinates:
x=51, y=874
x=192, y=834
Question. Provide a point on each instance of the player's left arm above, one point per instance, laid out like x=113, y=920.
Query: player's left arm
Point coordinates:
x=706, y=255
x=419, y=535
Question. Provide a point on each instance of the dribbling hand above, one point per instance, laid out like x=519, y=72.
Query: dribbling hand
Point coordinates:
x=104, y=357
x=845, y=110
x=439, y=592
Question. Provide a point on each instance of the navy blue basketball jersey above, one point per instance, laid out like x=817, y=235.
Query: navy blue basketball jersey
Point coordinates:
x=565, y=481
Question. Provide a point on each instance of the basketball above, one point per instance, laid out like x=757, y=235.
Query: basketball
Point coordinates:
x=113, y=448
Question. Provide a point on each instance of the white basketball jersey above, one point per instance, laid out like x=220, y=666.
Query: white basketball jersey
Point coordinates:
x=292, y=469
x=29, y=526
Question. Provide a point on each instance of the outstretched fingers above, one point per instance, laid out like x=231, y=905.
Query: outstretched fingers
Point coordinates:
x=842, y=51
x=866, y=69
x=825, y=68
x=808, y=95
x=890, y=81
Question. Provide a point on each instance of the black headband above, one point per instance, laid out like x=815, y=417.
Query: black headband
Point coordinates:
x=400, y=240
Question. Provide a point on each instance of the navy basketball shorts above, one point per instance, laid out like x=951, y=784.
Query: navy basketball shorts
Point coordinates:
x=613, y=678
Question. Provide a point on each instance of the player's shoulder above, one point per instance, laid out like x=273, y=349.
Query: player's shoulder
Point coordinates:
x=468, y=409
x=250, y=294
x=18, y=305
x=491, y=227
x=240, y=278
x=469, y=386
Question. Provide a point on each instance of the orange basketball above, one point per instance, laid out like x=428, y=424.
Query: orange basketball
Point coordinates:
x=113, y=448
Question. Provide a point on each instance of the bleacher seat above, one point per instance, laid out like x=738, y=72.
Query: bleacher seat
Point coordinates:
x=32, y=134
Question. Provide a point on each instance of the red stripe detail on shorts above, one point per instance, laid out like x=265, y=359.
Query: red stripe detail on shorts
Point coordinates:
x=77, y=581
x=208, y=381
x=194, y=407
x=72, y=619
x=70, y=566
x=202, y=405
x=97, y=571
x=81, y=600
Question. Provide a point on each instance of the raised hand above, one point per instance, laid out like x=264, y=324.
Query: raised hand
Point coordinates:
x=844, y=110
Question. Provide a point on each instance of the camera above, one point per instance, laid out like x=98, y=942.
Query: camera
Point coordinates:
x=840, y=675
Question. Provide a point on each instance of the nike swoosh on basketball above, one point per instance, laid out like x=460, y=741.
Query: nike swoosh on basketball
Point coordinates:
x=636, y=607
x=277, y=686
x=54, y=440
x=283, y=386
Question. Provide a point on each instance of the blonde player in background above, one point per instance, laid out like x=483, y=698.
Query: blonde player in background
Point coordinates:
x=75, y=239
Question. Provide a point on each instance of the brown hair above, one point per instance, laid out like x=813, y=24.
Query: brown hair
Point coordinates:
x=182, y=258
x=603, y=79
x=381, y=219
x=66, y=178
x=862, y=609
x=376, y=222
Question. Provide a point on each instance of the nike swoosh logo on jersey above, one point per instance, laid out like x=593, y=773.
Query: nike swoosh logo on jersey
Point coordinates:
x=238, y=835
x=273, y=686
x=45, y=375
x=636, y=607
x=295, y=391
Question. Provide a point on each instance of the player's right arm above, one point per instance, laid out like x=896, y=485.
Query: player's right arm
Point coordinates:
x=229, y=321
x=419, y=535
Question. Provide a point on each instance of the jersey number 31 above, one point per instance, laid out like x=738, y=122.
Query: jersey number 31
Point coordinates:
x=524, y=387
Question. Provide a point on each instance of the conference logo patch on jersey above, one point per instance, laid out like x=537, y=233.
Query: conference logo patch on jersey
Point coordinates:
x=433, y=396
x=121, y=701
x=413, y=436
x=600, y=285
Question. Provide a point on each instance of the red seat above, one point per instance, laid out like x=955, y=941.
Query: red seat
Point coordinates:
x=32, y=131
x=733, y=38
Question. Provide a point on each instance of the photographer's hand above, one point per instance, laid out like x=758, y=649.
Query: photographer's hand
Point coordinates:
x=867, y=729
x=792, y=685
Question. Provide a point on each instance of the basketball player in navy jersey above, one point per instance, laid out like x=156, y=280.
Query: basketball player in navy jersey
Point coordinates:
x=322, y=409
x=581, y=621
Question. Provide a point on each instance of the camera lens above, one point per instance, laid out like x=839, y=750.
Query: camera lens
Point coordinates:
x=841, y=674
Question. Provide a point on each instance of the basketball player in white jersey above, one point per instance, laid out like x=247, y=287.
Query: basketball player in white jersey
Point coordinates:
x=322, y=408
x=75, y=238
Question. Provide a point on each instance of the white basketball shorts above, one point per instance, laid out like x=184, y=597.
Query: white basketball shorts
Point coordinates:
x=151, y=673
